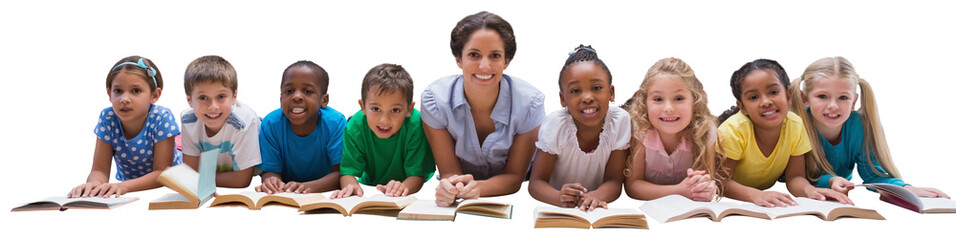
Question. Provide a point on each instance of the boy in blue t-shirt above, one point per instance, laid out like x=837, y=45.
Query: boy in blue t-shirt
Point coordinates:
x=301, y=143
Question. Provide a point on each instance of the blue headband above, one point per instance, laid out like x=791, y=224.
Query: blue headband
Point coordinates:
x=142, y=64
x=588, y=48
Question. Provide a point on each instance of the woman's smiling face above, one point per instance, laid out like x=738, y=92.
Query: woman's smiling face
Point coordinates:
x=483, y=59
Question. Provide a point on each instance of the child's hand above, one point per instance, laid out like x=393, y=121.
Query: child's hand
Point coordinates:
x=296, y=187
x=109, y=189
x=446, y=193
x=83, y=190
x=841, y=185
x=771, y=199
x=926, y=192
x=271, y=185
x=467, y=186
x=704, y=191
x=572, y=194
x=589, y=203
x=393, y=189
x=348, y=190
x=698, y=186
x=823, y=194
x=692, y=172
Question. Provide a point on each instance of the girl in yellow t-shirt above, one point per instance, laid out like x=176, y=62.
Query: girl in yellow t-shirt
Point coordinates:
x=763, y=139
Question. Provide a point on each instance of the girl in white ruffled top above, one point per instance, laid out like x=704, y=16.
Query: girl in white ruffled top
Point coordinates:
x=582, y=147
x=672, y=150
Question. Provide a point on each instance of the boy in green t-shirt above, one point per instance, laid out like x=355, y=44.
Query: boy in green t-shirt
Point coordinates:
x=385, y=144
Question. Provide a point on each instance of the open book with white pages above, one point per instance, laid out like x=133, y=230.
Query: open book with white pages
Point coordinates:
x=676, y=207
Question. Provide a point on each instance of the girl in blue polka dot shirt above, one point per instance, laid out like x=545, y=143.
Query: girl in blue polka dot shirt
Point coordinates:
x=138, y=135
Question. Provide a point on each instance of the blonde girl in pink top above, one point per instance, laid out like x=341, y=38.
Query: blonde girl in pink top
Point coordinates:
x=674, y=134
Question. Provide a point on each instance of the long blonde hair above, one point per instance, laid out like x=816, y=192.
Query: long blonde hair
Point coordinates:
x=874, y=138
x=698, y=132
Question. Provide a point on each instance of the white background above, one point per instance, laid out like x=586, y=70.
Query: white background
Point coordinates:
x=54, y=57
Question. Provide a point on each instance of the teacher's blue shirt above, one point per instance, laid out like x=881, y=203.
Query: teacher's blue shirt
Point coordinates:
x=519, y=109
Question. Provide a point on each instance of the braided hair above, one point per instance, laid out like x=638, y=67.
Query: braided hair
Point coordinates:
x=583, y=54
x=737, y=79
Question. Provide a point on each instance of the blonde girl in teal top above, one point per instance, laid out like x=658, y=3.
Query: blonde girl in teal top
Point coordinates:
x=844, y=137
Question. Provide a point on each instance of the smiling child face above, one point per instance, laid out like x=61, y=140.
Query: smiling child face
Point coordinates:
x=212, y=103
x=386, y=112
x=670, y=105
x=764, y=99
x=301, y=99
x=831, y=100
x=587, y=92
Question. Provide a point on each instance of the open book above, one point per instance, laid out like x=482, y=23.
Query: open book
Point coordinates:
x=428, y=210
x=551, y=217
x=192, y=188
x=676, y=207
x=377, y=205
x=255, y=200
x=904, y=198
x=63, y=203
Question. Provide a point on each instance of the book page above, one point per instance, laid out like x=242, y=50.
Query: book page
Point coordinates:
x=206, y=183
x=666, y=208
x=109, y=201
x=483, y=207
x=292, y=195
x=545, y=212
x=478, y=201
x=254, y=196
x=896, y=191
x=346, y=203
x=171, y=197
x=599, y=213
x=806, y=206
x=427, y=207
x=938, y=205
x=590, y=216
x=183, y=176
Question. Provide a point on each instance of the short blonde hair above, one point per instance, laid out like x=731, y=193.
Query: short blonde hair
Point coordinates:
x=210, y=69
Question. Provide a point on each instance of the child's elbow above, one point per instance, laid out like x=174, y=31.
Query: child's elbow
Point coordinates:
x=242, y=184
x=632, y=192
x=237, y=184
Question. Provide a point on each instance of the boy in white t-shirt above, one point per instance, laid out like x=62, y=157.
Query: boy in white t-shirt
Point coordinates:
x=216, y=121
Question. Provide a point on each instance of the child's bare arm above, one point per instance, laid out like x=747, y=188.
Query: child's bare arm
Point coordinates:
x=327, y=183
x=610, y=190
x=799, y=186
x=163, y=152
x=191, y=161
x=235, y=179
x=99, y=174
x=413, y=184
x=740, y=192
x=540, y=188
